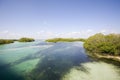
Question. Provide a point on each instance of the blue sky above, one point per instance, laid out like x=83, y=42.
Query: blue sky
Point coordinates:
x=58, y=18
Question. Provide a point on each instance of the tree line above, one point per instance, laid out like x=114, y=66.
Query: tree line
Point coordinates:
x=7, y=41
x=64, y=39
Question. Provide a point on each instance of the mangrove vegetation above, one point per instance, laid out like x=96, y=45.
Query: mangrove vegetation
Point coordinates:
x=24, y=39
x=65, y=40
x=103, y=44
x=6, y=41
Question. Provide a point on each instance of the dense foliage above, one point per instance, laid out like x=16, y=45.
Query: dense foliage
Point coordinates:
x=6, y=41
x=26, y=39
x=103, y=44
x=64, y=40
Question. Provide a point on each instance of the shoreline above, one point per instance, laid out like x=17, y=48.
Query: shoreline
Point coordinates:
x=114, y=58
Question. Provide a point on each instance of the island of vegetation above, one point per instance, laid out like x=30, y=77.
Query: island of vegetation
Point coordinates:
x=65, y=40
x=6, y=41
x=24, y=39
x=104, y=46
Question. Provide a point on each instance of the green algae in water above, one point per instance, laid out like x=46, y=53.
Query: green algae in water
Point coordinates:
x=94, y=71
x=26, y=66
x=11, y=56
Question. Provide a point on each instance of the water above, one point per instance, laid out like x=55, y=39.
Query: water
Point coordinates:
x=40, y=60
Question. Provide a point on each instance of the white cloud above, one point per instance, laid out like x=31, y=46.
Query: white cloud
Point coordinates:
x=9, y=35
x=45, y=34
x=49, y=34
x=80, y=34
x=108, y=31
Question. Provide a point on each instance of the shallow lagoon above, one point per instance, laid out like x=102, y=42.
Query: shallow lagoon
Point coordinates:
x=40, y=60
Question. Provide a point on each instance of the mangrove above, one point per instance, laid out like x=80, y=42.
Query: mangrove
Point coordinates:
x=6, y=41
x=65, y=40
x=104, y=46
x=24, y=39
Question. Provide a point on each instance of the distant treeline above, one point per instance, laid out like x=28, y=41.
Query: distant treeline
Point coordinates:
x=7, y=41
x=26, y=39
x=103, y=44
x=64, y=40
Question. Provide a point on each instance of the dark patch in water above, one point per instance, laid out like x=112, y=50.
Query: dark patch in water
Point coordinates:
x=7, y=74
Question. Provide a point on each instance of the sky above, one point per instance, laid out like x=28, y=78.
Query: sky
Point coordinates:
x=43, y=19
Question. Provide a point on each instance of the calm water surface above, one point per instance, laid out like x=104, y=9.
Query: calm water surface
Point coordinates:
x=40, y=60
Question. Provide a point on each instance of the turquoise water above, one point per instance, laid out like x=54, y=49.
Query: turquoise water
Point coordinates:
x=41, y=60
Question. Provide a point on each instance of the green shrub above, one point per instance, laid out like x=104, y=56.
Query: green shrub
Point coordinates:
x=26, y=39
x=105, y=44
x=6, y=41
x=64, y=40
